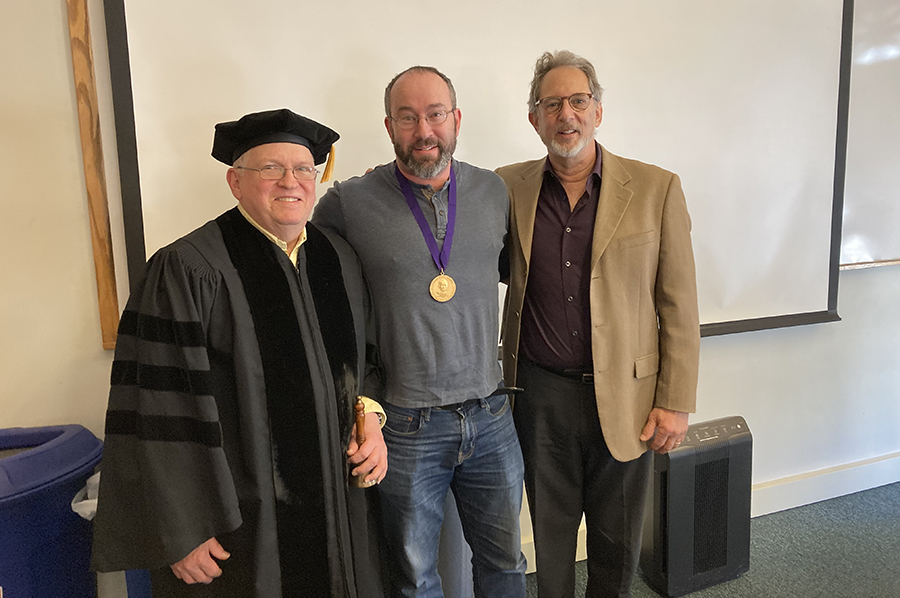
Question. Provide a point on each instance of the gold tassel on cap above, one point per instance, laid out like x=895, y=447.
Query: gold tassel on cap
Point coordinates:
x=329, y=166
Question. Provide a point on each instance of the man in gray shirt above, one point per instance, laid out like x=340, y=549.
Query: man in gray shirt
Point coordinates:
x=429, y=231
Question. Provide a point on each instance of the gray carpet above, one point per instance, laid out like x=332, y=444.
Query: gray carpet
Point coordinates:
x=847, y=547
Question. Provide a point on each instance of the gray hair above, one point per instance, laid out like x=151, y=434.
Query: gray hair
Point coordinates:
x=562, y=58
x=418, y=69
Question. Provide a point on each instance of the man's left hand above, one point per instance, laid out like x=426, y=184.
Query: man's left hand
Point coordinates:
x=665, y=429
x=370, y=459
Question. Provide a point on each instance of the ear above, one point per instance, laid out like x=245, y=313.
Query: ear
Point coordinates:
x=599, y=115
x=533, y=119
x=234, y=183
x=387, y=125
x=457, y=113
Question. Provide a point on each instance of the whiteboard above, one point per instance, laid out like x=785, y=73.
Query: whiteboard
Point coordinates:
x=740, y=98
x=872, y=193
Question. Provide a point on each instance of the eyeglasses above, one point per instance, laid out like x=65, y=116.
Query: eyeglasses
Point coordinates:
x=276, y=173
x=578, y=101
x=434, y=118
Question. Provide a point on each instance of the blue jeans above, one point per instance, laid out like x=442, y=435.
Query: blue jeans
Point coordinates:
x=474, y=451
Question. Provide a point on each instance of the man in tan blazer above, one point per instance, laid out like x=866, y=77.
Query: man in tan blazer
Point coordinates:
x=601, y=329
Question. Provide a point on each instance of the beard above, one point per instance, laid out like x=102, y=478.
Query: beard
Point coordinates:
x=426, y=168
x=567, y=151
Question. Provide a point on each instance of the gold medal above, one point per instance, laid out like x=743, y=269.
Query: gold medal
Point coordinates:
x=442, y=288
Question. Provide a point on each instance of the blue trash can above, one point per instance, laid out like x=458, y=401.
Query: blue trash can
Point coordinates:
x=45, y=548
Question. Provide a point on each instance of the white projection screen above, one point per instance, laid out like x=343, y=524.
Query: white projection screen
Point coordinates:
x=740, y=98
x=871, y=216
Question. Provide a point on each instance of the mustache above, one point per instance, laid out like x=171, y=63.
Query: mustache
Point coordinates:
x=567, y=127
x=428, y=141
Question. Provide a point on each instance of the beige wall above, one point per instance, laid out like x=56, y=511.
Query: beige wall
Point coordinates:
x=52, y=367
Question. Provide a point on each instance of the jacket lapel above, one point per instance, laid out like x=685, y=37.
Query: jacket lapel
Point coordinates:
x=525, y=198
x=614, y=200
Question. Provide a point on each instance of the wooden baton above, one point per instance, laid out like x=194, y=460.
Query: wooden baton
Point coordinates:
x=359, y=481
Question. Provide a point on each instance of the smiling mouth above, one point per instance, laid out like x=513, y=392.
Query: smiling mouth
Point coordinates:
x=287, y=199
x=426, y=145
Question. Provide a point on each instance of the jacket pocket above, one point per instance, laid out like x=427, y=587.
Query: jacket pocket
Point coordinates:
x=646, y=365
x=638, y=239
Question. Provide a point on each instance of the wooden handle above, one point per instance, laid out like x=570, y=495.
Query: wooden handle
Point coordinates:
x=360, y=421
x=360, y=407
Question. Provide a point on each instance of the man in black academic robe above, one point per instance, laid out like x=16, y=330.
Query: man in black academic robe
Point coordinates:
x=238, y=362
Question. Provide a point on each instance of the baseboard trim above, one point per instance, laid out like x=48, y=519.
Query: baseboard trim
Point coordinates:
x=814, y=486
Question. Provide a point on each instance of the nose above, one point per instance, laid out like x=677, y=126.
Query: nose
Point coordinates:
x=566, y=111
x=423, y=129
x=288, y=181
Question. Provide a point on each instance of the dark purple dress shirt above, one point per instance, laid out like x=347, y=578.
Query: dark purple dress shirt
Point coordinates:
x=556, y=317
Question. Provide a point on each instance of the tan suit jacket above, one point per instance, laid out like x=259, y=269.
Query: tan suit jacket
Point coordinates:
x=645, y=328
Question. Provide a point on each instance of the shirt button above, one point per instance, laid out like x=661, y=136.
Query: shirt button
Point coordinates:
x=568, y=229
x=441, y=212
x=570, y=299
x=575, y=333
x=568, y=263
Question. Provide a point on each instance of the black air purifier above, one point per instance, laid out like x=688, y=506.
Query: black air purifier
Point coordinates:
x=697, y=518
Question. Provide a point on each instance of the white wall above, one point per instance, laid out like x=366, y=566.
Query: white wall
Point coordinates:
x=53, y=369
x=822, y=401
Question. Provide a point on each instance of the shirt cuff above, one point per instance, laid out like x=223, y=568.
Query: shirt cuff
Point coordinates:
x=373, y=406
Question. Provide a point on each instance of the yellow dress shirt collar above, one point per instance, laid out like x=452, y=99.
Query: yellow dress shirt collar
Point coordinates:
x=282, y=244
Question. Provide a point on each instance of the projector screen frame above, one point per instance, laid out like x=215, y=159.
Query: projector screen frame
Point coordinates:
x=129, y=175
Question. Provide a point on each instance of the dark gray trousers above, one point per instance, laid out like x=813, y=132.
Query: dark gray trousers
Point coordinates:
x=569, y=472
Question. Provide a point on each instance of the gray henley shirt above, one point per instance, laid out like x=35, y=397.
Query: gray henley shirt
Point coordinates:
x=433, y=353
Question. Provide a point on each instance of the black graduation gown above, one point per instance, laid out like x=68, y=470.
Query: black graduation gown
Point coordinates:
x=229, y=416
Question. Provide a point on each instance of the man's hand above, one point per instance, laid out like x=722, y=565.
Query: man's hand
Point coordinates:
x=666, y=428
x=370, y=459
x=199, y=566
